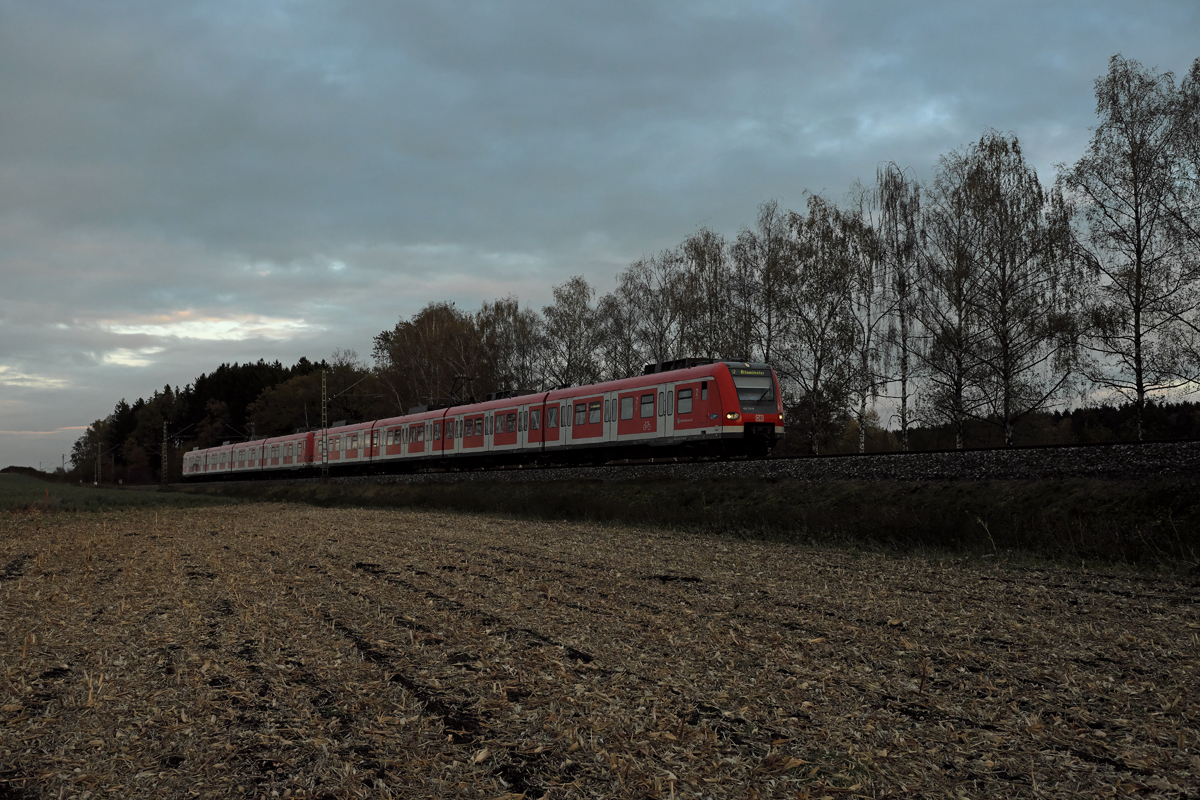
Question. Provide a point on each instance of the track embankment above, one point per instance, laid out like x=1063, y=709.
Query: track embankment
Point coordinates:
x=1132, y=504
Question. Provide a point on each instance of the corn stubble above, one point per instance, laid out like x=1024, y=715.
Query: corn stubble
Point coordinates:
x=277, y=650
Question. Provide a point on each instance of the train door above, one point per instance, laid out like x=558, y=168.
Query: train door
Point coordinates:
x=665, y=408
x=610, y=416
x=522, y=427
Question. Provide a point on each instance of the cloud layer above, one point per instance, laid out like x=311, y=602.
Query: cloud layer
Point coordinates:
x=186, y=184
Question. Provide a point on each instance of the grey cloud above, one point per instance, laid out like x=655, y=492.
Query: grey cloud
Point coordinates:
x=221, y=158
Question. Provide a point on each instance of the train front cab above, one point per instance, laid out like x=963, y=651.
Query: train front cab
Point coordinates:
x=754, y=404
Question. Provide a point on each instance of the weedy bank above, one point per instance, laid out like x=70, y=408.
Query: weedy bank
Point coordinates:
x=264, y=650
x=1150, y=523
x=22, y=493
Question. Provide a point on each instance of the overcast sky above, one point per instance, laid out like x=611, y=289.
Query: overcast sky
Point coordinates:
x=189, y=183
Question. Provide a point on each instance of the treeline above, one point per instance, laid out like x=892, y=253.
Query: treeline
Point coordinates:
x=968, y=310
x=234, y=402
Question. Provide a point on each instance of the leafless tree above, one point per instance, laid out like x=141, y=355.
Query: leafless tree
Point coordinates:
x=708, y=329
x=762, y=268
x=620, y=348
x=1188, y=119
x=1136, y=208
x=512, y=344
x=656, y=287
x=433, y=358
x=1027, y=291
x=816, y=359
x=572, y=335
x=898, y=230
x=870, y=303
x=948, y=296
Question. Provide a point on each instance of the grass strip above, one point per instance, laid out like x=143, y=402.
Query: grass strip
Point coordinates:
x=1150, y=522
x=23, y=493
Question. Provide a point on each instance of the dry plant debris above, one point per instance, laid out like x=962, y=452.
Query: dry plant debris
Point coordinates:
x=290, y=651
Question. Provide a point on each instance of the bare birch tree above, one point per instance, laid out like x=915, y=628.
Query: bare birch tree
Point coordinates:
x=708, y=327
x=870, y=304
x=816, y=359
x=1136, y=208
x=948, y=297
x=512, y=345
x=656, y=287
x=572, y=335
x=1027, y=290
x=621, y=354
x=898, y=230
x=762, y=266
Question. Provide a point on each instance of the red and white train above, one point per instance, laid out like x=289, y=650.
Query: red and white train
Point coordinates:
x=718, y=408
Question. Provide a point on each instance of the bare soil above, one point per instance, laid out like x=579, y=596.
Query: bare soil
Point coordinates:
x=293, y=651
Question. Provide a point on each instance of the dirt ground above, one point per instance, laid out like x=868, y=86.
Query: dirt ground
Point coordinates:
x=277, y=650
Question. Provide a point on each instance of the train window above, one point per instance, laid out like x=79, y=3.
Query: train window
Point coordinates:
x=552, y=417
x=388, y=439
x=580, y=413
x=564, y=416
x=289, y=452
x=520, y=421
x=594, y=412
x=704, y=390
x=647, y=406
x=420, y=433
x=535, y=419
x=661, y=403
x=460, y=429
x=510, y=422
x=626, y=408
x=487, y=425
x=479, y=426
x=437, y=430
x=525, y=420
x=608, y=404
x=375, y=438
x=755, y=388
x=670, y=403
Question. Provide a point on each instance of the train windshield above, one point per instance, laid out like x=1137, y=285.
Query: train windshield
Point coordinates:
x=755, y=389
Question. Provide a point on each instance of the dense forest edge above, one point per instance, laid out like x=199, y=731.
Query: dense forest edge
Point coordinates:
x=981, y=308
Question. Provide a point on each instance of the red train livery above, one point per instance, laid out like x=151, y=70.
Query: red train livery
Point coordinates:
x=719, y=408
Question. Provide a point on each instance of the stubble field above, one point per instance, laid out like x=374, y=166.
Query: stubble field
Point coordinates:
x=280, y=650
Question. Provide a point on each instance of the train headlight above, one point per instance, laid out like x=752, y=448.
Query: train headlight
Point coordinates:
x=732, y=416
